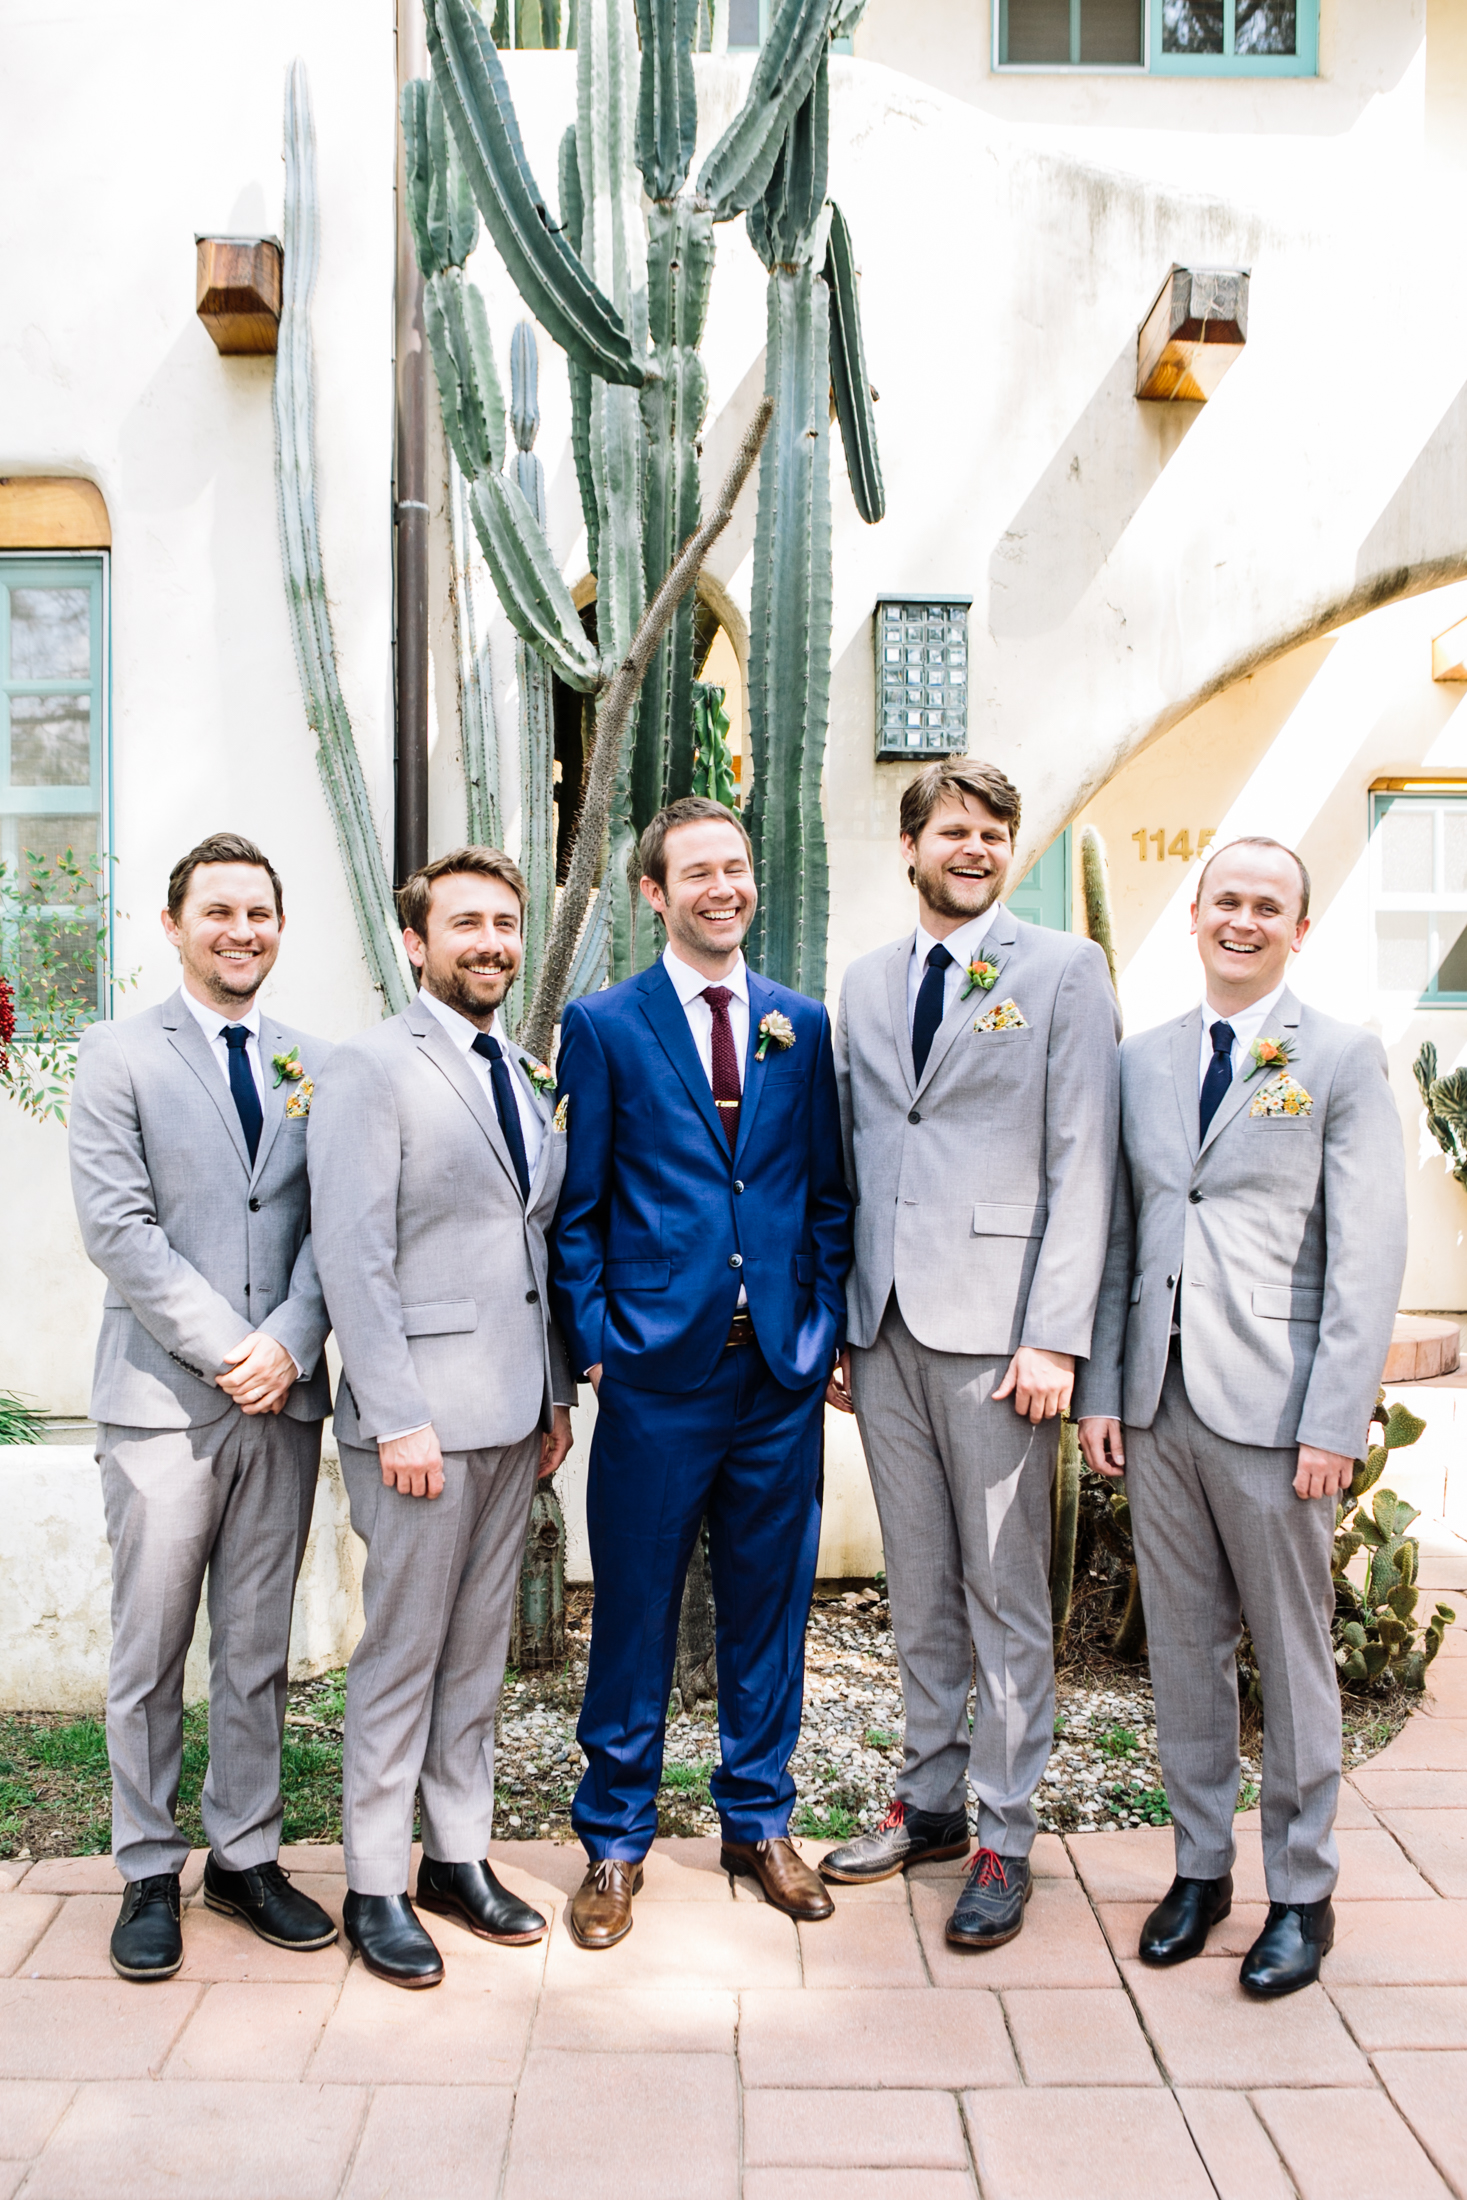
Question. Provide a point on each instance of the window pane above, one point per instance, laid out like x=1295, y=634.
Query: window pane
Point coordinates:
x=50, y=634
x=1110, y=32
x=1406, y=833
x=1451, y=945
x=743, y=22
x=48, y=839
x=1454, y=852
x=1266, y=26
x=1191, y=26
x=1401, y=953
x=1039, y=31
x=50, y=741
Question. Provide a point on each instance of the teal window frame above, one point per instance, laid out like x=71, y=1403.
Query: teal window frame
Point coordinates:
x=1154, y=62
x=61, y=569
x=1432, y=904
x=1043, y=895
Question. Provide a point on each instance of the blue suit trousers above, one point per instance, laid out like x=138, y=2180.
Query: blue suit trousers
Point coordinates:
x=746, y=1451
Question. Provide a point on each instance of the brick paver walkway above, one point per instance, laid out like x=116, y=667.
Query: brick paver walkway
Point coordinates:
x=723, y=2052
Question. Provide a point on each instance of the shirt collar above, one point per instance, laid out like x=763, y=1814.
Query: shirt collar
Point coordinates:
x=211, y=1021
x=459, y=1029
x=962, y=945
x=1248, y=1022
x=690, y=984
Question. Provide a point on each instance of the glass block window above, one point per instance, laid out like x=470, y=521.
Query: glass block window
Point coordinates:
x=1418, y=869
x=52, y=724
x=922, y=675
x=1166, y=37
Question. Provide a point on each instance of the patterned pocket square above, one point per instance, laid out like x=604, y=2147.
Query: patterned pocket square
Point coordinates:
x=1005, y=1016
x=299, y=1103
x=1283, y=1096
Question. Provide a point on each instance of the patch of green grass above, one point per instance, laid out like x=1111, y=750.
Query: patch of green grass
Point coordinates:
x=685, y=1778
x=834, y=1823
x=1150, y=1805
x=1247, y=1796
x=82, y=1745
x=1118, y=1741
x=878, y=1738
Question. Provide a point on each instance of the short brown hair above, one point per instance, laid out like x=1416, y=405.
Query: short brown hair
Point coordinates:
x=962, y=776
x=693, y=809
x=416, y=891
x=1260, y=840
x=219, y=848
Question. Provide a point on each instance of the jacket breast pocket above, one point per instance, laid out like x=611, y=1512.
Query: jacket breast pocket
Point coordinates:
x=1020, y=1219
x=638, y=1275
x=1287, y=1302
x=450, y=1317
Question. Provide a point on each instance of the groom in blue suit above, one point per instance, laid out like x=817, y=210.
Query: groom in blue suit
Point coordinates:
x=697, y=1270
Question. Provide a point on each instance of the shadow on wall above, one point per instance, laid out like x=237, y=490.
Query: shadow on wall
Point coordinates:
x=1426, y=506
x=1097, y=481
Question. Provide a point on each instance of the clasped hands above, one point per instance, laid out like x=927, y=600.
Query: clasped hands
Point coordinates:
x=413, y=1464
x=1319, y=1473
x=258, y=1374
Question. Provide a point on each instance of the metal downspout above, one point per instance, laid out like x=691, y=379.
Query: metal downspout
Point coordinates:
x=410, y=499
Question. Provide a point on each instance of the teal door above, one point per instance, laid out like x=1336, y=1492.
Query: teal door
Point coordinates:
x=1044, y=896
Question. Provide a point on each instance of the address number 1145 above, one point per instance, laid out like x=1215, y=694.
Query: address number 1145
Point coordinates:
x=1180, y=843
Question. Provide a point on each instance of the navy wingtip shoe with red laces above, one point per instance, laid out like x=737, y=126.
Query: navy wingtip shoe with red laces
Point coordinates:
x=990, y=1909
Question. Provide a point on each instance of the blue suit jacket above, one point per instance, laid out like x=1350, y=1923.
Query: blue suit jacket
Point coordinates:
x=654, y=1210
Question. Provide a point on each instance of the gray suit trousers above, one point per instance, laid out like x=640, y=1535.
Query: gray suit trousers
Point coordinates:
x=423, y=1685
x=233, y=1499
x=964, y=1491
x=1219, y=1531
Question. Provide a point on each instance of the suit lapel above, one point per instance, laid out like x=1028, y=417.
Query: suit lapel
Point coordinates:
x=761, y=1001
x=1186, y=1042
x=187, y=1039
x=445, y=1057
x=543, y=1110
x=272, y=1041
x=665, y=1013
x=898, y=965
x=997, y=947
x=1285, y=1017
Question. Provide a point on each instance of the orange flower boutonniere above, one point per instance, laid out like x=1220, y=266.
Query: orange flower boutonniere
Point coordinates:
x=1268, y=1054
x=980, y=977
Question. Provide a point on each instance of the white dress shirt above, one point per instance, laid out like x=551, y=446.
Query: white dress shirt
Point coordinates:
x=1248, y=1024
x=463, y=1035
x=962, y=945
x=689, y=985
x=211, y=1021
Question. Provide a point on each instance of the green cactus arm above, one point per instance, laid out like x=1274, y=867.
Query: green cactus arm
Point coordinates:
x=713, y=776
x=1095, y=875
x=740, y=165
x=588, y=965
x=547, y=273
x=852, y=386
x=469, y=394
x=524, y=385
x=1402, y=1427
x=293, y=403
x=788, y=216
x=478, y=729
x=572, y=219
x=667, y=106
x=418, y=173
x=536, y=601
x=1424, y=1069
x=847, y=15
x=440, y=206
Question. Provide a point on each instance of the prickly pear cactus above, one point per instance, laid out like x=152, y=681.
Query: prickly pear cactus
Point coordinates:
x=1376, y=1625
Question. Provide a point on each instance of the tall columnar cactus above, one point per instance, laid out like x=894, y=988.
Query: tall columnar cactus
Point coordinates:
x=305, y=583
x=537, y=707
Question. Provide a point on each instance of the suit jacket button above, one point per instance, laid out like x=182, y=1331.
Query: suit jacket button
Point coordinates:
x=738, y=1184
x=1196, y=1198
x=254, y=1206
x=532, y=1298
x=735, y=1260
x=915, y=1116
x=1171, y=1283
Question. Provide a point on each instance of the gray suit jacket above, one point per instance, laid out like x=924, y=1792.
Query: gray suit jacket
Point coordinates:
x=983, y=1190
x=1288, y=1233
x=432, y=1267
x=198, y=1248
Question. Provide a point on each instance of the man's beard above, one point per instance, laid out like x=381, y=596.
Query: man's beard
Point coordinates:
x=932, y=884
x=451, y=986
x=228, y=990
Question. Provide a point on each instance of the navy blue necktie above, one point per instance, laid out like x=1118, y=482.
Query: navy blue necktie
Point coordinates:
x=1219, y=1076
x=501, y=1077
x=242, y=1085
x=929, y=1007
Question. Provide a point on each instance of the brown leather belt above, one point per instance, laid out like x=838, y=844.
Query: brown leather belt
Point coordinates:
x=740, y=1331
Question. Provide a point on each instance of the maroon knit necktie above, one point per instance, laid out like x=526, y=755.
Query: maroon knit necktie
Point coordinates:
x=727, y=1092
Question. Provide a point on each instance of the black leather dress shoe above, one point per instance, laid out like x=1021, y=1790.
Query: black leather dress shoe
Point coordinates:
x=147, y=1940
x=905, y=1836
x=1288, y=1952
x=1178, y=1927
x=472, y=1894
x=990, y=1909
x=264, y=1897
x=384, y=1930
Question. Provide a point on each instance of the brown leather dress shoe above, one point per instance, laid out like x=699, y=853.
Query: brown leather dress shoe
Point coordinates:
x=788, y=1882
x=601, y=1907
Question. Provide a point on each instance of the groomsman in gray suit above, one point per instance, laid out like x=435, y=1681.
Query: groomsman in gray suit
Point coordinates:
x=977, y=1068
x=188, y=1164
x=436, y=1163
x=1257, y=1249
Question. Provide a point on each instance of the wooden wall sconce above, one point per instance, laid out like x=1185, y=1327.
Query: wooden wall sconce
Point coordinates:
x=1194, y=331
x=239, y=285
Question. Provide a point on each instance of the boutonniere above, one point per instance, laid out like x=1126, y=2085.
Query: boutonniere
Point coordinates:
x=774, y=1031
x=289, y=1068
x=561, y=1118
x=1268, y=1054
x=980, y=977
x=299, y=1103
x=540, y=1077
x=1007, y=1016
